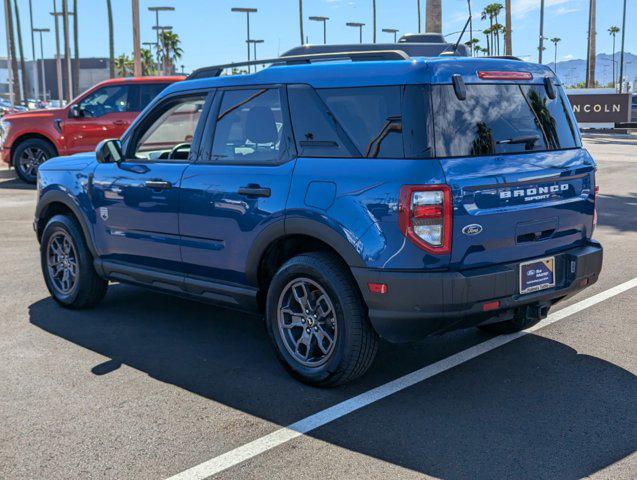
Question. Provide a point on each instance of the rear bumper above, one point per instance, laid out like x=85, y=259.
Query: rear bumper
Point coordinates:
x=421, y=303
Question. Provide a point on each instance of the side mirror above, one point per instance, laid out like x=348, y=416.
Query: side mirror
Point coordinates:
x=109, y=151
x=75, y=112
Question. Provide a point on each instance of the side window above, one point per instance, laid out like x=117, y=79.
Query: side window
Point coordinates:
x=371, y=116
x=315, y=129
x=148, y=91
x=169, y=136
x=250, y=127
x=112, y=99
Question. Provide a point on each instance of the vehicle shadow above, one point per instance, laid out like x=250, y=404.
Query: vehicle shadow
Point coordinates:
x=14, y=183
x=612, y=211
x=531, y=409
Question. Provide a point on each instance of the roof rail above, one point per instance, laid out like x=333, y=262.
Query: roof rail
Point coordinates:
x=215, y=71
x=505, y=57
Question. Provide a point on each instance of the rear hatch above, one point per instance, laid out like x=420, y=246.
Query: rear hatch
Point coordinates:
x=522, y=185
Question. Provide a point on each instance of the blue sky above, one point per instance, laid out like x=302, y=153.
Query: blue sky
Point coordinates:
x=211, y=34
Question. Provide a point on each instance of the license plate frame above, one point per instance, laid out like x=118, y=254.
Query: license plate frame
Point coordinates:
x=537, y=275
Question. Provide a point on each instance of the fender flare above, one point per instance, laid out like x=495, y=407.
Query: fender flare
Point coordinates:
x=299, y=226
x=58, y=196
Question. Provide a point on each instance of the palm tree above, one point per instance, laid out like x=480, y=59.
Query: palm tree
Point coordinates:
x=76, y=52
x=473, y=45
x=149, y=66
x=497, y=29
x=14, y=61
x=111, y=41
x=590, y=58
x=497, y=8
x=169, y=50
x=555, y=41
x=433, y=16
x=488, y=13
x=124, y=65
x=508, y=44
x=613, y=30
x=487, y=34
x=23, y=68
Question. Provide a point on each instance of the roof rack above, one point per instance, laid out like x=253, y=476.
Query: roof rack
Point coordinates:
x=505, y=57
x=215, y=71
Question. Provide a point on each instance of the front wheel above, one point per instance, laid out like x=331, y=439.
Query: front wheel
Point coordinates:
x=318, y=322
x=29, y=155
x=67, y=265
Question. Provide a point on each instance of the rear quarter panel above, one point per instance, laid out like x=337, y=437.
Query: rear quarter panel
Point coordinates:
x=358, y=199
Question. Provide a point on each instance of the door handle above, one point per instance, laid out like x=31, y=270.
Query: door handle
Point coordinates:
x=253, y=190
x=158, y=184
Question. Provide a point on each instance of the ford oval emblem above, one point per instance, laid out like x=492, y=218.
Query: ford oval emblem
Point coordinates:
x=472, y=229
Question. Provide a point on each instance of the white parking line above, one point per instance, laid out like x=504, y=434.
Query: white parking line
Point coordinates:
x=283, y=435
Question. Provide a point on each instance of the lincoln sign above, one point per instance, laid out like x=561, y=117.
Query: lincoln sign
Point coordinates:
x=601, y=107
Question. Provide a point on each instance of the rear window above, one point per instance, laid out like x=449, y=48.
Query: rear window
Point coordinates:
x=500, y=119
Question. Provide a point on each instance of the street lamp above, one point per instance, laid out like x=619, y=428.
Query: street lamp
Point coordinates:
x=157, y=10
x=391, y=30
x=360, y=29
x=324, y=20
x=254, y=46
x=161, y=29
x=41, y=31
x=247, y=11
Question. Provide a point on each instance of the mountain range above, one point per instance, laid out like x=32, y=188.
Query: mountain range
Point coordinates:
x=573, y=71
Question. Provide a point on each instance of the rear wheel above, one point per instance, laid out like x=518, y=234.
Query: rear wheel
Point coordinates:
x=67, y=265
x=29, y=155
x=318, y=322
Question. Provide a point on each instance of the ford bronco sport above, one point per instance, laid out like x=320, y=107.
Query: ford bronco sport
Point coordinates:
x=372, y=195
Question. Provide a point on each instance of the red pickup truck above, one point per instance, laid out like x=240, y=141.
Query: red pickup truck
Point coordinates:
x=105, y=111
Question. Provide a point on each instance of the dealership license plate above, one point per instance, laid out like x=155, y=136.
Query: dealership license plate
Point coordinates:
x=537, y=275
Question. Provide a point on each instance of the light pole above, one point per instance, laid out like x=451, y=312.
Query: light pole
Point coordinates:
x=67, y=49
x=157, y=10
x=37, y=87
x=58, y=60
x=360, y=29
x=621, y=56
x=137, y=55
x=541, y=46
x=254, y=46
x=247, y=11
x=391, y=30
x=7, y=7
x=161, y=29
x=324, y=20
x=41, y=31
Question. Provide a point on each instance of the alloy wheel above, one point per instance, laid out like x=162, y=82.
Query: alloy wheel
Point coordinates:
x=62, y=262
x=29, y=161
x=307, y=322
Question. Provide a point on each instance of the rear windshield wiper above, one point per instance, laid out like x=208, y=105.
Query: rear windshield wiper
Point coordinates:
x=528, y=140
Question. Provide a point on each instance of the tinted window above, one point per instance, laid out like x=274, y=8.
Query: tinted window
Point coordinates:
x=170, y=135
x=113, y=99
x=148, y=91
x=371, y=117
x=315, y=130
x=250, y=127
x=496, y=119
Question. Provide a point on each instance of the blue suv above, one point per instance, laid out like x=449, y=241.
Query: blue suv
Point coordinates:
x=346, y=200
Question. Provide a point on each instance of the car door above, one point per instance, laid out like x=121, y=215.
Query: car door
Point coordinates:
x=239, y=185
x=105, y=113
x=136, y=201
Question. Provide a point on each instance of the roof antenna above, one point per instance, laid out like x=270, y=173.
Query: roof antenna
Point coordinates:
x=455, y=47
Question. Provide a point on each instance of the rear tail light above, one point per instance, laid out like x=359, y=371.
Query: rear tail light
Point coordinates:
x=504, y=75
x=424, y=216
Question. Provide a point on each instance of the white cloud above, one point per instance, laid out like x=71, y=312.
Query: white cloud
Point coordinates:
x=568, y=57
x=521, y=7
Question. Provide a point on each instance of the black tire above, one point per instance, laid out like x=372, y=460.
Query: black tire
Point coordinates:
x=517, y=324
x=32, y=150
x=87, y=288
x=354, y=342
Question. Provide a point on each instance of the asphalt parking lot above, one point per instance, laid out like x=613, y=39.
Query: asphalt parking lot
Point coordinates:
x=148, y=386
